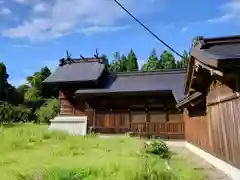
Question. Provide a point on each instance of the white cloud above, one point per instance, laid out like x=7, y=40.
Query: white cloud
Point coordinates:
x=62, y=17
x=20, y=1
x=184, y=29
x=224, y=18
x=42, y=7
x=231, y=12
x=101, y=29
x=5, y=11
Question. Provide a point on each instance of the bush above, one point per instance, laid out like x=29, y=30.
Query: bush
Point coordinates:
x=10, y=113
x=22, y=114
x=48, y=111
x=158, y=147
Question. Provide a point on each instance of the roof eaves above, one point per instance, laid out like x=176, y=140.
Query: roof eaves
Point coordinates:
x=188, y=99
x=221, y=39
x=205, y=57
x=107, y=91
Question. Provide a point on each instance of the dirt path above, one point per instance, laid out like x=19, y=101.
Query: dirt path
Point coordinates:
x=200, y=164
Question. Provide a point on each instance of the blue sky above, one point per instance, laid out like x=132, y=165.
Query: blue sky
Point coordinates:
x=36, y=33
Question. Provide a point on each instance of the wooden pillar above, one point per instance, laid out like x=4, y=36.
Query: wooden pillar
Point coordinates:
x=147, y=120
x=94, y=118
x=166, y=111
x=129, y=120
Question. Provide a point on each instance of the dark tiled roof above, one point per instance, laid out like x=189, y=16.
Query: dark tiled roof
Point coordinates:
x=225, y=51
x=78, y=71
x=211, y=51
x=143, y=82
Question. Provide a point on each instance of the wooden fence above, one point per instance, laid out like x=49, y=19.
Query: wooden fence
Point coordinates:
x=169, y=130
x=218, y=132
x=138, y=123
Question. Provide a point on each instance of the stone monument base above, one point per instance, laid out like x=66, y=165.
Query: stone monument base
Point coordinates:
x=75, y=125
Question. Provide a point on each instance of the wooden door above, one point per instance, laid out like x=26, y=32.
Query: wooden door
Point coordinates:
x=111, y=121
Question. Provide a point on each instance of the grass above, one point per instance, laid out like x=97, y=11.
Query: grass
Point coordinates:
x=31, y=152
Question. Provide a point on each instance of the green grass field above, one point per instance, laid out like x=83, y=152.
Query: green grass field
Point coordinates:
x=31, y=152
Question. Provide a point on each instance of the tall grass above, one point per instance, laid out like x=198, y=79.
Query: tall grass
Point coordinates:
x=31, y=152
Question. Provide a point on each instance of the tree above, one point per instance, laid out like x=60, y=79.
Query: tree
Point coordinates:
x=132, y=64
x=119, y=63
x=153, y=63
x=38, y=90
x=33, y=94
x=13, y=96
x=123, y=63
x=115, y=65
x=3, y=82
x=183, y=62
x=197, y=40
x=22, y=89
x=167, y=60
x=105, y=60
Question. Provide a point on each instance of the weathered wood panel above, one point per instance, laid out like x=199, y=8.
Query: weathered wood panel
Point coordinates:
x=138, y=122
x=111, y=122
x=218, y=132
x=169, y=130
x=121, y=114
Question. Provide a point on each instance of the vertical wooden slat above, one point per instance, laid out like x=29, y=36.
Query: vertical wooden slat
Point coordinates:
x=218, y=132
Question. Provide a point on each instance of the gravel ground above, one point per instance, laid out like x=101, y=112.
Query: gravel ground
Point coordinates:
x=211, y=172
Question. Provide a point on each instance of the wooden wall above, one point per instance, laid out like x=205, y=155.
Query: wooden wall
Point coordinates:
x=69, y=105
x=217, y=132
x=143, y=115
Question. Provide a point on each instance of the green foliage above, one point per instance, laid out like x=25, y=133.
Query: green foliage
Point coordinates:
x=167, y=60
x=13, y=96
x=12, y=114
x=33, y=94
x=119, y=63
x=22, y=114
x=158, y=147
x=196, y=40
x=38, y=90
x=183, y=62
x=22, y=89
x=3, y=82
x=153, y=63
x=48, y=111
x=132, y=64
x=123, y=63
x=114, y=66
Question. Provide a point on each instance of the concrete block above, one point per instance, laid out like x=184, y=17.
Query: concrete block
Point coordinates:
x=75, y=125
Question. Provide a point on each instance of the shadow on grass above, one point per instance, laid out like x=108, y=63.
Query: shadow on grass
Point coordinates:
x=8, y=125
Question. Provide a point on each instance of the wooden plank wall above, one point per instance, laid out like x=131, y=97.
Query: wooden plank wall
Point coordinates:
x=142, y=116
x=159, y=123
x=218, y=132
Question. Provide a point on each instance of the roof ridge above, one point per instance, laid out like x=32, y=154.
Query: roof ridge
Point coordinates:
x=86, y=60
x=139, y=73
x=222, y=38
